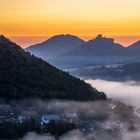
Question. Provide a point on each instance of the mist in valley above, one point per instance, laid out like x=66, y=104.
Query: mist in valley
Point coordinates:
x=76, y=135
x=127, y=92
x=117, y=92
x=110, y=120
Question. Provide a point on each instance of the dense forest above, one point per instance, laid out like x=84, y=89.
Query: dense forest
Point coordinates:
x=23, y=75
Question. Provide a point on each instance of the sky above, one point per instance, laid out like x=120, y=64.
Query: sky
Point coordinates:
x=30, y=21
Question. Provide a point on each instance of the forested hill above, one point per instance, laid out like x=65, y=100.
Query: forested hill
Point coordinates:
x=120, y=72
x=23, y=76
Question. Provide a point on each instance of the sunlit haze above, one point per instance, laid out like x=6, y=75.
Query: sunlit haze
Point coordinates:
x=41, y=19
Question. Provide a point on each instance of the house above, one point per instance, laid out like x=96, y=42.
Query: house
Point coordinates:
x=6, y=112
x=28, y=114
x=45, y=119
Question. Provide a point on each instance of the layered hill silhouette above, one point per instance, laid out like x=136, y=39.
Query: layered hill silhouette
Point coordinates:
x=135, y=47
x=23, y=75
x=55, y=46
x=99, y=45
x=98, y=51
x=126, y=72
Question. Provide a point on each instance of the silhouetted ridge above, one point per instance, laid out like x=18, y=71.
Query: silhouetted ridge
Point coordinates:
x=100, y=39
x=23, y=75
x=100, y=50
x=135, y=45
x=102, y=43
x=69, y=51
x=55, y=46
x=3, y=39
x=4, y=42
x=62, y=37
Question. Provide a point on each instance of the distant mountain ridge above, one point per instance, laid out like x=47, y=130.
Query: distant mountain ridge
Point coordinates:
x=25, y=76
x=55, y=46
x=135, y=46
x=100, y=50
x=98, y=45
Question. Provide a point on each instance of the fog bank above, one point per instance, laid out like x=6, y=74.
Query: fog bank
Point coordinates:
x=126, y=92
x=76, y=135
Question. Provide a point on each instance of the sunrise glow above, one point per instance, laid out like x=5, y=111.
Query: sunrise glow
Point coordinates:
x=84, y=18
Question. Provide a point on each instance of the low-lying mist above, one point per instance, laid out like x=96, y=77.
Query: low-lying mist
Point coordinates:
x=89, y=111
x=110, y=120
x=76, y=135
x=126, y=92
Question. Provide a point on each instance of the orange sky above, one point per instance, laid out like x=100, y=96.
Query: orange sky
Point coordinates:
x=31, y=21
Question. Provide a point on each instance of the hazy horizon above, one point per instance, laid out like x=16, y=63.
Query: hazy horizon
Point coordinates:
x=26, y=41
x=83, y=18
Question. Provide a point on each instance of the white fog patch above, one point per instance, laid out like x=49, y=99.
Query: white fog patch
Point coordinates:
x=34, y=136
x=99, y=115
x=126, y=92
x=76, y=135
x=131, y=136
